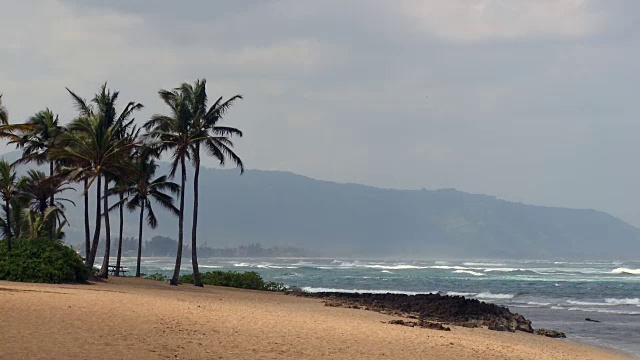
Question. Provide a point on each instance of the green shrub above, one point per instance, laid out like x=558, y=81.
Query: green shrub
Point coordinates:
x=246, y=280
x=156, y=276
x=41, y=261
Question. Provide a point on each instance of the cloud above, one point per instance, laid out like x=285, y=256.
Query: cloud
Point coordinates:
x=492, y=97
x=481, y=20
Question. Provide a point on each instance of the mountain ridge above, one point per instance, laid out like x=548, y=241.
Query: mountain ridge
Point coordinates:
x=281, y=208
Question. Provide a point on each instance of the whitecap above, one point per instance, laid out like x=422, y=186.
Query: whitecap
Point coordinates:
x=535, y=303
x=514, y=270
x=470, y=272
x=387, y=272
x=395, y=267
x=585, y=303
x=613, y=301
x=605, y=311
x=442, y=267
x=243, y=265
x=626, y=271
x=488, y=295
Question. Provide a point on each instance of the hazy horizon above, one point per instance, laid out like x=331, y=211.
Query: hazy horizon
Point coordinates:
x=525, y=101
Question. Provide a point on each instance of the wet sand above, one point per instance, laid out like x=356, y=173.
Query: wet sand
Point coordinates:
x=143, y=319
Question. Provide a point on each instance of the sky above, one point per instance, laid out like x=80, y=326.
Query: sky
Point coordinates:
x=530, y=101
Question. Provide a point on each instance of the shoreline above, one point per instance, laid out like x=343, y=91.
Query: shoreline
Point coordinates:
x=146, y=319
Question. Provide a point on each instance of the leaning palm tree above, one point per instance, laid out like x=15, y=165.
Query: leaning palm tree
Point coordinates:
x=145, y=189
x=214, y=139
x=7, y=191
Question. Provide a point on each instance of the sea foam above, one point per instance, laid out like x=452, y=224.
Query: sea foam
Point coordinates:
x=613, y=301
x=470, y=272
x=626, y=271
x=361, y=291
x=488, y=295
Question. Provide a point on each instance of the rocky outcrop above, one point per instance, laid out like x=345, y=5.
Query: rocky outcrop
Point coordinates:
x=423, y=324
x=443, y=309
x=550, y=333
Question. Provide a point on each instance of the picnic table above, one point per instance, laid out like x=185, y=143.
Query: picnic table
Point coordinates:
x=113, y=268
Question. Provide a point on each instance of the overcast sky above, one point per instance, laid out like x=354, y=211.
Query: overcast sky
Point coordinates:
x=528, y=100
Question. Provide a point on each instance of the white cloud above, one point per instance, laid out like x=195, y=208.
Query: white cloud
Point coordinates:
x=477, y=20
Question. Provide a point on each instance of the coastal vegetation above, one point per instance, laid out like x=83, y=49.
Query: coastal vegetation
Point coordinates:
x=112, y=159
x=43, y=261
x=250, y=280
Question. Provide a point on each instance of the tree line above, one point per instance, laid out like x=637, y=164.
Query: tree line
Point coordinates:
x=107, y=153
x=162, y=246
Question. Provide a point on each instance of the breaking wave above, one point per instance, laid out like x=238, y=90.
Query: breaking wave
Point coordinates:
x=360, y=291
x=626, y=271
x=470, y=272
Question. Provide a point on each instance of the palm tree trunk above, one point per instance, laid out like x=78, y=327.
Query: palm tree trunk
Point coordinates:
x=52, y=223
x=194, y=229
x=120, y=235
x=176, y=272
x=87, y=231
x=96, y=232
x=9, y=235
x=140, y=240
x=104, y=270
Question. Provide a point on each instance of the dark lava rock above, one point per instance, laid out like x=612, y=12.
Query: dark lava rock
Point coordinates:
x=455, y=310
x=422, y=324
x=550, y=333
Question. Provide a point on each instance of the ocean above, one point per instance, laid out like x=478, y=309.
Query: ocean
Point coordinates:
x=558, y=295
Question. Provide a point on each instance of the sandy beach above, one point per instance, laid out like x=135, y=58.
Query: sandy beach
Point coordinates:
x=142, y=319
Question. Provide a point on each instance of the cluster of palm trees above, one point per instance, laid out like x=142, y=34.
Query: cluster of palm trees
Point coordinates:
x=109, y=155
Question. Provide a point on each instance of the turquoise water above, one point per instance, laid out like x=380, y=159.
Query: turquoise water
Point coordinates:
x=552, y=294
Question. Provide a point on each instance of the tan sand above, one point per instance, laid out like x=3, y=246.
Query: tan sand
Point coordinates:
x=142, y=319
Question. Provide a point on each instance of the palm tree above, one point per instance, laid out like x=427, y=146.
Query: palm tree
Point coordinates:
x=38, y=190
x=7, y=190
x=174, y=133
x=191, y=126
x=17, y=205
x=215, y=140
x=96, y=152
x=120, y=188
x=35, y=143
x=36, y=225
x=4, y=115
x=8, y=131
x=143, y=190
x=99, y=148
